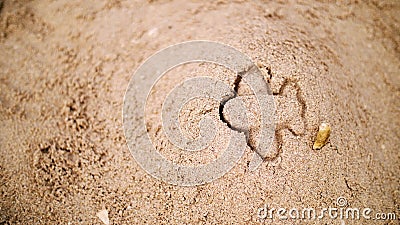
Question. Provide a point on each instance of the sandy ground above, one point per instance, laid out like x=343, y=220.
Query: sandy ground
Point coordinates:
x=65, y=66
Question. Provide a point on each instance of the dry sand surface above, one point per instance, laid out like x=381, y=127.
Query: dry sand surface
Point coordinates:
x=65, y=66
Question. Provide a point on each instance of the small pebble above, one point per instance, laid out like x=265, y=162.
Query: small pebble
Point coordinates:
x=103, y=216
x=322, y=136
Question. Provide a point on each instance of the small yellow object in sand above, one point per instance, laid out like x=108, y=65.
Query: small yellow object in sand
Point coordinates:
x=322, y=136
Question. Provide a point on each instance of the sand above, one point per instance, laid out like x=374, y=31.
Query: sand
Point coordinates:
x=65, y=66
